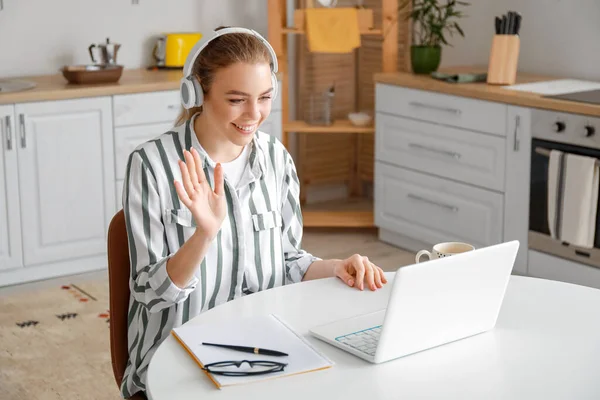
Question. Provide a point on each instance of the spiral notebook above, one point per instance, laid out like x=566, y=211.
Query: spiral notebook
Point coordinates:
x=263, y=331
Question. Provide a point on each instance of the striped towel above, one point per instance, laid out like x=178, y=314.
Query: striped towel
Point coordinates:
x=572, y=198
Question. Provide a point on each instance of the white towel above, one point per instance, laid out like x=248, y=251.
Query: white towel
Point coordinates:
x=572, y=198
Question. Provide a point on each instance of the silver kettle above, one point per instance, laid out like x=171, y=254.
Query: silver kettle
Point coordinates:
x=107, y=53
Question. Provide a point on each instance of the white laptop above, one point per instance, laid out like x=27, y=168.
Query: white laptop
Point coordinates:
x=430, y=304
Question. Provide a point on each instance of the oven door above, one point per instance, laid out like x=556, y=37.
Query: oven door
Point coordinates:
x=539, y=231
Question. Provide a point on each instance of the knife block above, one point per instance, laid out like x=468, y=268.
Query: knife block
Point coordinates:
x=504, y=58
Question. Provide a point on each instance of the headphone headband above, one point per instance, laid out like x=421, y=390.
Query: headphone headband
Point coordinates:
x=190, y=88
x=204, y=41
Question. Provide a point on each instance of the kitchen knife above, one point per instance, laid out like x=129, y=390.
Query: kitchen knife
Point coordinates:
x=498, y=25
x=511, y=22
x=503, y=25
x=508, y=22
x=517, y=23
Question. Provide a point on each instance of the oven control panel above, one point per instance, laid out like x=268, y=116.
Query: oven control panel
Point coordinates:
x=576, y=129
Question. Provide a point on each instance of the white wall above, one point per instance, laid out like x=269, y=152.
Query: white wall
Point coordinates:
x=40, y=36
x=558, y=37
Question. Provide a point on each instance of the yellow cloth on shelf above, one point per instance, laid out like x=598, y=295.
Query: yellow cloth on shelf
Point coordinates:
x=332, y=30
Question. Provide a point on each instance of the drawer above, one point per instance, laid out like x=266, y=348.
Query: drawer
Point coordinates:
x=146, y=108
x=128, y=138
x=466, y=156
x=443, y=109
x=435, y=210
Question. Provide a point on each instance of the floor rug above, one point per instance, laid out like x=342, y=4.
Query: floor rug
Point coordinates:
x=54, y=344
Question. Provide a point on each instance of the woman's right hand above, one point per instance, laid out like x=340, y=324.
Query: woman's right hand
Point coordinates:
x=208, y=207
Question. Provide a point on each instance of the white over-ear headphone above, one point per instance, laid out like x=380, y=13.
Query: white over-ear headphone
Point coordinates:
x=190, y=89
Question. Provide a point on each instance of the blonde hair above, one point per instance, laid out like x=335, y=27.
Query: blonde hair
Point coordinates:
x=221, y=53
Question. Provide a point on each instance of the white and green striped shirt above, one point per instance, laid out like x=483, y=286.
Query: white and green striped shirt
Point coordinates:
x=258, y=246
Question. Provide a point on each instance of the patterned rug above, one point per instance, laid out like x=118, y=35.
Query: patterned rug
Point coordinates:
x=54, y=344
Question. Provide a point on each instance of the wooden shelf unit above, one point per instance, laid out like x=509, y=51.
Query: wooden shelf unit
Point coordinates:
x=341, y=152
x=338, y=126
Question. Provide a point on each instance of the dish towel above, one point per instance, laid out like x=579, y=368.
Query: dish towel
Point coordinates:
x=332, y=30
x=572, y=198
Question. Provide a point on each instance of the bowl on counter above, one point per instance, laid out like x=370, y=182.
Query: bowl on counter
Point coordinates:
x=89, y=74
x=359, y=118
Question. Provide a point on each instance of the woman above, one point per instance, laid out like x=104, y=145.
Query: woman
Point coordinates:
x=212, y=208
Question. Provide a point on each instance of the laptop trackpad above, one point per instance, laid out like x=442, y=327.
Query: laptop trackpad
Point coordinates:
x=349, y=325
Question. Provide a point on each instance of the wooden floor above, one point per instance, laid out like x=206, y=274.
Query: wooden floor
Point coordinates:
x=321, y=242
x=344, y=242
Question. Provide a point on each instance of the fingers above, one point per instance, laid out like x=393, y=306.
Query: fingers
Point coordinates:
x=191, y=167
x=366, y=273
x=219, y=180
x=382, y=275
x=345, y=276
x=359, y=266
x=183, y=196
x=376, y=276
x=185, y=177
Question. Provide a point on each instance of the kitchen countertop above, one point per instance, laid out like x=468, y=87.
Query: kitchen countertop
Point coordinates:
x=483, y=91
x=56, y=87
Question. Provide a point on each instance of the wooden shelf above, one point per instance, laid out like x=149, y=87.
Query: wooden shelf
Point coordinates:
x=351, y=212
x=295, y=31
x=338, y=126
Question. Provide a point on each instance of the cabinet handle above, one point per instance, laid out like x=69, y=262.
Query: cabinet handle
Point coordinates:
x=23, y=134
x=516, y=138
x=436, y=108
x=171, y=106
x=435, y=203
x=8, y=131
x=448, y=153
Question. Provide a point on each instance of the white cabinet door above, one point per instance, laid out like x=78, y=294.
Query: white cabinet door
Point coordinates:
x=66, y=175
x=272, y=125
x=516, y=196
x=11, y=255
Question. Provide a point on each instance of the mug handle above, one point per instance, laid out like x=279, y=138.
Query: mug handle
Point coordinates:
x=422, y=253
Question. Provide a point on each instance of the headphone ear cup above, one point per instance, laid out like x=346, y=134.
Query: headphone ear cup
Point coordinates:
x=191, y=93
x=198, y=93
x=275, y=85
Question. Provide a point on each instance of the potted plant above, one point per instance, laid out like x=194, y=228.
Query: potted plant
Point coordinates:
x=432, y=20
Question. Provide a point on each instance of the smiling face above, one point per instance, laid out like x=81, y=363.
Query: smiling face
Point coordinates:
x=238, y=101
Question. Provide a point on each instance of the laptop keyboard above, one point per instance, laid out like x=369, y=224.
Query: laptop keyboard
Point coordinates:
x=365, y=340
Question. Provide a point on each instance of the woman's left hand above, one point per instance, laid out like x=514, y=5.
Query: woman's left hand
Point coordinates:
x=357, y=271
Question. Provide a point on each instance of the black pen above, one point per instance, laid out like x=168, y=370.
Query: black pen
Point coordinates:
x=247, y=349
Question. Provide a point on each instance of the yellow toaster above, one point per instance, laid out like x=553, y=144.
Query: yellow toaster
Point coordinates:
x=172, y=49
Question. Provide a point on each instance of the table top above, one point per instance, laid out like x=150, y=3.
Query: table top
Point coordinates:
x=546, y=344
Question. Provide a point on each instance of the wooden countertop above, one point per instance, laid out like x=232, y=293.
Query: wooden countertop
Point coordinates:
x=56, y=87
x=483, y=91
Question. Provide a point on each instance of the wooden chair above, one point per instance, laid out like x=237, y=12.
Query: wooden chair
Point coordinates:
x=118, y=282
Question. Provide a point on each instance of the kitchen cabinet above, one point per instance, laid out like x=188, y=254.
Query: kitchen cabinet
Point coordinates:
x=139, y=117
x=449, y=168
x=11, y=255
x=64, y=199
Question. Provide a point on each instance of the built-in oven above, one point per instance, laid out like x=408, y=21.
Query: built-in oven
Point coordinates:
x=569, y=133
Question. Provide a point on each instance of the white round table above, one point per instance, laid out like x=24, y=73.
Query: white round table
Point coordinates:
x=546, y=345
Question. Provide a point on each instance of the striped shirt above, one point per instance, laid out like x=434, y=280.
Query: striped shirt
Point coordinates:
x=257, y=247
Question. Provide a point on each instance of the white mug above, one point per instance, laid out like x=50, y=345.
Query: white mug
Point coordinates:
x=441, y=250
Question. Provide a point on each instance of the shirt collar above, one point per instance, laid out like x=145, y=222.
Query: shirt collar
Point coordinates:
x=256, y=159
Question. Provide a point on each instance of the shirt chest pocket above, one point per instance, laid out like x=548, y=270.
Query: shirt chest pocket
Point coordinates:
x=267, y=220
x=180, y=216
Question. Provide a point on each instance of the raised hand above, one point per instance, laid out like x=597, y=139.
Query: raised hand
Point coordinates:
x=208, y=207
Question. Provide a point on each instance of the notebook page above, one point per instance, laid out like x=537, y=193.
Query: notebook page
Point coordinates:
x=264, y=331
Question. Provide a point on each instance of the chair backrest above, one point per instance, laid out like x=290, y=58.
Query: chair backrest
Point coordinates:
x=118, y=281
